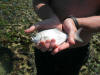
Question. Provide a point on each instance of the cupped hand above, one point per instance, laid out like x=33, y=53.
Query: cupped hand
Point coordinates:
x=70, y=29
x=49, y=45
x=46, y=24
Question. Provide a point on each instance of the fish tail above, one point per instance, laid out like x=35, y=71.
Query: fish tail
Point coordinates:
x=77, y=37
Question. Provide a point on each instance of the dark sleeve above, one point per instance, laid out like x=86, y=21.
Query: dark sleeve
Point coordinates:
x=98, y=9
x=35, y=2
x=97, y=12
x=43, y=9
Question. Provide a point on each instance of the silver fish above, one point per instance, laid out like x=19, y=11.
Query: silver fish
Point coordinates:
x=56, y=34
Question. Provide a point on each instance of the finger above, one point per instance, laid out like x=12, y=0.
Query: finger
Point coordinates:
x=42, y=45
x=47, y=44
x=52, y=44
x=40, y=48
x=56, y=50
x=71, y=38
x=31, y=29
x=61, y=47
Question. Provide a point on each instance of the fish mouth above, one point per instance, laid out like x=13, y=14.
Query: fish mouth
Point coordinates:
x=34, y=40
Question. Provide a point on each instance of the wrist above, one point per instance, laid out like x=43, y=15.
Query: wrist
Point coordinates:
x=75, y=21
x=80, y=22
x=70, y=24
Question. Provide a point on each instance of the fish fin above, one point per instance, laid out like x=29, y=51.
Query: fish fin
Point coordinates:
x=77, y=37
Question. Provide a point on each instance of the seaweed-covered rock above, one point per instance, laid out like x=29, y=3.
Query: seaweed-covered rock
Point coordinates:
x=15, y=17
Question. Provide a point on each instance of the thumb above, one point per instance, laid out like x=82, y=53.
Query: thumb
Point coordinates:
x=29, y=30
x=71, y=38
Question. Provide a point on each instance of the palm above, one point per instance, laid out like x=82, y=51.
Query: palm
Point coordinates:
x=70, y=29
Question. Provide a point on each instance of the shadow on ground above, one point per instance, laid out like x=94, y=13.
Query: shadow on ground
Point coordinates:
x=6, y=61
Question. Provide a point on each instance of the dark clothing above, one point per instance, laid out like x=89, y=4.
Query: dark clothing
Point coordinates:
x=67, y=62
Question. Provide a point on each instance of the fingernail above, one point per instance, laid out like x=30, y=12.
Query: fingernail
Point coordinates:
x=53, y=40
x=56, y=46
x=47, y=41
x=42, y=43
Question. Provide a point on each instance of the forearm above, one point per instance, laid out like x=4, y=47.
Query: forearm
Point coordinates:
x=49, y=23
x=90, y=23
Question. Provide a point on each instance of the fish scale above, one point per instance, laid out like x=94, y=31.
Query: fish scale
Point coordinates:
x=56, y=34
x=50, y=34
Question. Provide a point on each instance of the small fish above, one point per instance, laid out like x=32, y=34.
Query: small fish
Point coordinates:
x=56, y=34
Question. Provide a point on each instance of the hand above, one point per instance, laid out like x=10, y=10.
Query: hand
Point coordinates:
x=46, y=24
x=47, y=45
x=70, y=29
